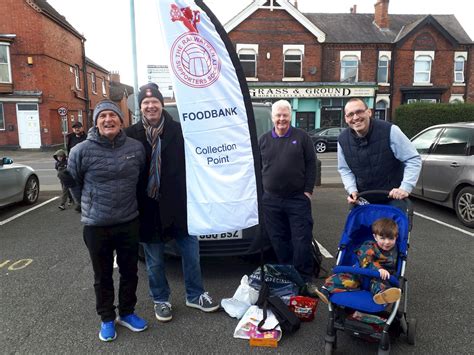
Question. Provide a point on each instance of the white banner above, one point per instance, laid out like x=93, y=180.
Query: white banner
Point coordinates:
x=220, y=174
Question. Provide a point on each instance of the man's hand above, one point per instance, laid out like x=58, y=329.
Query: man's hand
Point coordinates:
x=352, y=198
x=308, y=195
x=384, y=274
x=398, y=194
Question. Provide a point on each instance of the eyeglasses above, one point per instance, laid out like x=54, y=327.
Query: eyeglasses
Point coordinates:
x=356, y=112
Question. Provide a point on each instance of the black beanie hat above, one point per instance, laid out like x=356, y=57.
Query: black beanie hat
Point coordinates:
x=150, y=90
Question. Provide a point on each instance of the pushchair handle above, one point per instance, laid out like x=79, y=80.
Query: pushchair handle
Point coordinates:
x=364, y=272
x=407, y=201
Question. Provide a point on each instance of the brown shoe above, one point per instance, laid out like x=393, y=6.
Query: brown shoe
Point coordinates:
x=390, y=295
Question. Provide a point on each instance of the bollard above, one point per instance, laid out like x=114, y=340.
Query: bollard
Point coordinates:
x=318, y=173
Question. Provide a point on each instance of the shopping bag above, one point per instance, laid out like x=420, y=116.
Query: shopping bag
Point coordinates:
x=283, y=280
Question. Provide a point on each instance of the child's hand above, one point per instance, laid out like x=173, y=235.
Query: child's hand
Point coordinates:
x=384, y=274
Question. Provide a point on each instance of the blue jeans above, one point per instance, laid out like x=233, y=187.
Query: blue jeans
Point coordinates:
x=155, y=264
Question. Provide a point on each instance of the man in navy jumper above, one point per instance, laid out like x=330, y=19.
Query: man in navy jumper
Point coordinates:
x=375, y=155
x=288, y=176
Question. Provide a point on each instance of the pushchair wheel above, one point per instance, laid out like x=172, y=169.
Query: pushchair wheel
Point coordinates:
x=328, y=348
x=411, y=331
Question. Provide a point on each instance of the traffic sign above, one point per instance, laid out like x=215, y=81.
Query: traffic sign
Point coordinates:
x=62, y=111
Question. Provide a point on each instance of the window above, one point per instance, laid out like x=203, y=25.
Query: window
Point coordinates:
x=459, y=70
x=424, y=142
x=5, y=70
x=2, y=118
x=104, y=91
x=381, y=110
x=382, y=73
x=349, y=69
x=423, y=69
x=79, y=116
x=248, y=59
x=293, y=59
x=453, y=141
x=93, y=83
x=77, y=77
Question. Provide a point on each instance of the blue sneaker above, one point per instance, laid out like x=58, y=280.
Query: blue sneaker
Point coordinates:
x=107, y=331
x=133, y=322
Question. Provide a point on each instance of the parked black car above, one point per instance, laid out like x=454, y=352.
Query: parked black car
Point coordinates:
x=231, y=243
x=447, y=174
x=325, y=139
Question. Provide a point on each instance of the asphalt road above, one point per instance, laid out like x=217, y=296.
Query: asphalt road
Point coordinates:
x=47, y=297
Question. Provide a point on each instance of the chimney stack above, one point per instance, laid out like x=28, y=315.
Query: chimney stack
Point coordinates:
x=354, y=9
x=381, y=14
x=115, y=76
x=296, y=4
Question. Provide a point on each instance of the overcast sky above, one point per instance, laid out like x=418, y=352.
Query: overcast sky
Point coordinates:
x=106, y=24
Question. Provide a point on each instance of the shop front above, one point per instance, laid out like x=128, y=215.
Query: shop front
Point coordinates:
x=314, y=106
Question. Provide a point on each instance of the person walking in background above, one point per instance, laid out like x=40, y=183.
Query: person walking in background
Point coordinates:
x=288, y=176
x=162, y=205
x=106, y=168
x=75, y=137
x=61, y=166
x=375, y=155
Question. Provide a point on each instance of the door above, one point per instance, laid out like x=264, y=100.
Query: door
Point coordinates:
x=28, y=126
x=445, y=163
x=305, y=120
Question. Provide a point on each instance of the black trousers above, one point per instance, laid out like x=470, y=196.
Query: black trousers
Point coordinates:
x=101, y=242
x=289, y=224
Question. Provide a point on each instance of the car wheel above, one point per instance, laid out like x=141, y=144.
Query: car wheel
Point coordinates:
x=464, y=206
x=31, y=192
x=320, y=147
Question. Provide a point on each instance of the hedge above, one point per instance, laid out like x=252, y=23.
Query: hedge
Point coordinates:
x=415, y=117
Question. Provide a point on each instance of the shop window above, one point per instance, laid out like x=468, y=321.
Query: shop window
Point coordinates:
x=293, y=60
x=349, y=69
x=2, y=118
x=93, y=83
x=459, y=69
x=382, y=72
x=5, y=65
x=248, y=60
x=422, y=69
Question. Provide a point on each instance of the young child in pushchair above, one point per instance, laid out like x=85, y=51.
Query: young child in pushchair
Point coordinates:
x=378, y=254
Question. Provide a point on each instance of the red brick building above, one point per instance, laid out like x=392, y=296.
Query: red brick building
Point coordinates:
x=43, y=66
x=318, y=61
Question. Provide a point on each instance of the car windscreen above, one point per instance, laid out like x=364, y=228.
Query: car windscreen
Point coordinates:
x=263, y=120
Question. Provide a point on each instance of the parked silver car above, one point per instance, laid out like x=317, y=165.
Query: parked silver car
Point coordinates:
x=18, y=183
x=447, y=174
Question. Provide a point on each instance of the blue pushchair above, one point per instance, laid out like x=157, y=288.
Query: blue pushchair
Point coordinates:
x=355, y=312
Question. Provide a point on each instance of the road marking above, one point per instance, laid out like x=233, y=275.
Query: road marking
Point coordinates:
x=45, y=169
x=445, y=224
x=324, y=251
x=27, y=211
x=17, y=265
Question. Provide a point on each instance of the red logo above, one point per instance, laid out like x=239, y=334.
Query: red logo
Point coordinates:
x=193, y=58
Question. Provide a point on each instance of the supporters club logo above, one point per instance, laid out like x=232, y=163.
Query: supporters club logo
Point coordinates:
x=193, y=59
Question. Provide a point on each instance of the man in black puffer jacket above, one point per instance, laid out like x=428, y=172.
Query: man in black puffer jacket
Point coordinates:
x=106, y=167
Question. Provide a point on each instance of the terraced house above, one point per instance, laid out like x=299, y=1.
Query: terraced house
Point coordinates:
x=318, y=61
x=43, y=68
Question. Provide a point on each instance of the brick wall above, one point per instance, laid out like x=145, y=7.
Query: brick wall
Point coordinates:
x=271, y=30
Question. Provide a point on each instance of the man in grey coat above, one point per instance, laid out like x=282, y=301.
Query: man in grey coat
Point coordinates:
x=106, y=167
